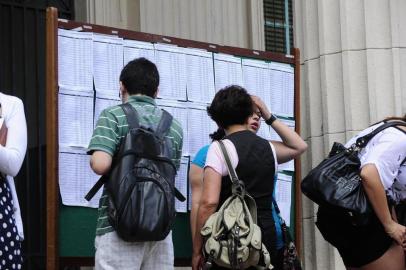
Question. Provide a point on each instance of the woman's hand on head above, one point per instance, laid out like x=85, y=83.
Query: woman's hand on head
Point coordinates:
x=262, y=107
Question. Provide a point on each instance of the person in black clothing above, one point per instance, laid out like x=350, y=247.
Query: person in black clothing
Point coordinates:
x=254, y=158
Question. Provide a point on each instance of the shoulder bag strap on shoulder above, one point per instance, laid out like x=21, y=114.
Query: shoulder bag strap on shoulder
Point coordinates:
x=231, y=171
x=131, y=114
x=363, y=141
x=164, y=124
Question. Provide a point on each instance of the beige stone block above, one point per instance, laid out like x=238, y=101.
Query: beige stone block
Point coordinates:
x=308, y=244
x=256, y=24
x=305, y=159
x=352, y=24
x=311, y=29
x=338, y=262
x=402, y=60
x=151, y=12
x=317, y=253
x=316, y=150
x=216, y=12
x=304, y=102
x=332, y=93
x=313, y=98
x=168, y=18
x=378, y=24
x=329, y=140
x=394, y=22
x=309, y=208
x=400, y=9
x=397, y=91
x=329, y=26
x=183, y=22
x=380, y=84
x=355, y=88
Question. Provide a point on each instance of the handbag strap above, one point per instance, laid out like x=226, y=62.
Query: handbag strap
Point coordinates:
x=285, y=230
x=363, y=141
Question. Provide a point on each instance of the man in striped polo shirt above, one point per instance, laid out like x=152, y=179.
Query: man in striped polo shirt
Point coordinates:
x=139, y=82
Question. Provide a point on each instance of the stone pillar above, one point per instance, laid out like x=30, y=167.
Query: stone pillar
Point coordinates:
x=353, y=73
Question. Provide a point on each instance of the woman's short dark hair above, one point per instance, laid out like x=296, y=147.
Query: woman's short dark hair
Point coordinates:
x=231, y=105
x=140, y=76
x=217, y=135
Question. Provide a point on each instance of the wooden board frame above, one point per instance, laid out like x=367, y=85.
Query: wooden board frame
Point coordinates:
x=52, y=189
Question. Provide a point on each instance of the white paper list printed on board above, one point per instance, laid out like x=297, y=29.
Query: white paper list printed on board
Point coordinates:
x=283, y=195
x=76, y=178
x=227, y=70
x=134, y=49
x=107, y=65
x=200, y=126
x=181, y=183
x=200, y=75
x=282, y=89
x=171, y=64
x=75, y=120
x=75, y=60
x=257, y=81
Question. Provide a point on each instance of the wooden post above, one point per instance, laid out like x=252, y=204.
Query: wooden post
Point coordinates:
x=52, y=138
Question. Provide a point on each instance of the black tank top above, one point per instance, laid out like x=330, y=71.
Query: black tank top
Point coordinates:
x=256, y=168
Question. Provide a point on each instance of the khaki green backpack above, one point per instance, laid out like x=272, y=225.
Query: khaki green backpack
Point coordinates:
x=231, y=235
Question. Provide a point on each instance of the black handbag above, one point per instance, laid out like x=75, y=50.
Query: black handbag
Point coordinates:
x=336, y=181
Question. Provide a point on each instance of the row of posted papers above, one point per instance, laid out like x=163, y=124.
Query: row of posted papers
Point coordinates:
x=89, y=67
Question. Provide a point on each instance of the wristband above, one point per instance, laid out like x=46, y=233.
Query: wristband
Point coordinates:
x=270, y=120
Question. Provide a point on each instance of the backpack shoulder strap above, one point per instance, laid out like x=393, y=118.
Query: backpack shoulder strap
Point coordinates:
x=131, y=115
x=164, y=124
x=363, y=141
x=231, y=171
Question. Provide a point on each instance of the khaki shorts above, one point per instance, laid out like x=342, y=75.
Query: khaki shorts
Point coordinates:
x=112, y=253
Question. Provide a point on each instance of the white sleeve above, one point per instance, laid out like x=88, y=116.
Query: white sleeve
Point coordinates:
x=215, y=158
x=387, y=155
x=274, y=156
x=12, y=155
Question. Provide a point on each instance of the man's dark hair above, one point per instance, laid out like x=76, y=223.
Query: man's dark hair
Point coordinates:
x=140, y=76
x=231, y=105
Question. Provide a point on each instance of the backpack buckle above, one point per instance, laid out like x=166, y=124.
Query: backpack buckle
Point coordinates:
x=238, y=188
x=208, y=264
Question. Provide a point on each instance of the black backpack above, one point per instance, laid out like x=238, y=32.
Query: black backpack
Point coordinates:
x=141, y=184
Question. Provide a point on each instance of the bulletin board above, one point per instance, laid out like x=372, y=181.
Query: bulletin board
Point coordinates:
x=83, y=66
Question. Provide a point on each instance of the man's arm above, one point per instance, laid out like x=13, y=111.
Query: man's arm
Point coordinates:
x=100, y=162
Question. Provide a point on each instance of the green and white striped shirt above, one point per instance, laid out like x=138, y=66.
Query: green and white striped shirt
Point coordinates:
x=112, y=127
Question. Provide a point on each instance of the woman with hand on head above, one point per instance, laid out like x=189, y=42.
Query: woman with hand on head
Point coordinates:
x=255, y=160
